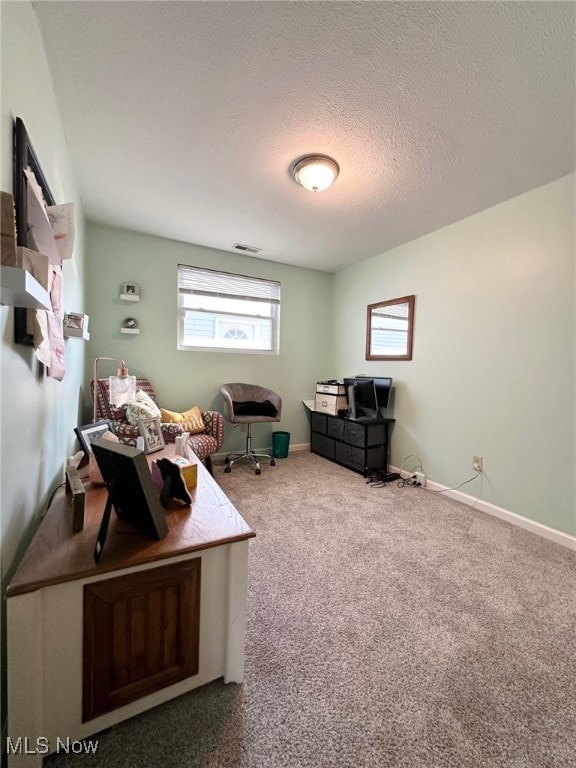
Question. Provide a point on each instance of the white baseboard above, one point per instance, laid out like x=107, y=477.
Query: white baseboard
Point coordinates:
x=299, y=447
x=565, y=539
x=552, y=534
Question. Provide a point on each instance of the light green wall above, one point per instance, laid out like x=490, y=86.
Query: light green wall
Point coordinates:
x=182, y=379
x=493, y=371
x=494, y=357
x=37, y=414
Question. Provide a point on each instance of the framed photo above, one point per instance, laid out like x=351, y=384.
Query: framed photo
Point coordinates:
x=151, y=431
x=131, y=491
x=74, y=320
x=88, y=432
x=130, y=289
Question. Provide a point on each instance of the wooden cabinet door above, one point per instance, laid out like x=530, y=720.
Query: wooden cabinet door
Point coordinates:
x=141, y=634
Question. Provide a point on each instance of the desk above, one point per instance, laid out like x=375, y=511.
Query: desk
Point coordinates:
x=90, y=645
x=361, y=444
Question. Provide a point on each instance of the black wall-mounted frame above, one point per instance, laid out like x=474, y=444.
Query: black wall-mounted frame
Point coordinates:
x=24, y=158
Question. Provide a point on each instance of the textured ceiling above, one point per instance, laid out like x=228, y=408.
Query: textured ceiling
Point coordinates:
x=183, y=118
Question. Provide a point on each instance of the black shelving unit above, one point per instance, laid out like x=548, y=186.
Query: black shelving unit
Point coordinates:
x=362, y=445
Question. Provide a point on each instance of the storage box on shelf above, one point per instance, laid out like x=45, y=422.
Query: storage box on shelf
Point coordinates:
x=330, y=398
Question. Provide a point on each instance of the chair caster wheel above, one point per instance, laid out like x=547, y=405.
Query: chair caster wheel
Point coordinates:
x=272, y=463
x=258, y=472
x=228, y=470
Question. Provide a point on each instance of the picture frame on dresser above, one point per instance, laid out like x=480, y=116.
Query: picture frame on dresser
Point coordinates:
x=151, y=431
x=89, y=432
x=25, y=159
x=131, y=491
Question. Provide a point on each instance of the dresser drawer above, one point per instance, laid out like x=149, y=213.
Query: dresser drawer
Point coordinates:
x=364, y=434
x=335, y=428
x=322, y=445
x=350, y=456
x=319, y=422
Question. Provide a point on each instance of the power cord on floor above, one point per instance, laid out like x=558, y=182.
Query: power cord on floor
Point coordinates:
x=410, y=456
x=412, y=480
x=455, y=488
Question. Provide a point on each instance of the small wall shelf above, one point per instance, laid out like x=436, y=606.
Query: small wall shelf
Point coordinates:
x=76, y=325
x=18, y=288
x=129, y=330
x=129, y=297
x=76, y=333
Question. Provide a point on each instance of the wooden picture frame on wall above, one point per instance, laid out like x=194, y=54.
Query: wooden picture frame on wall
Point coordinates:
x=25, y=158
x=390, y=329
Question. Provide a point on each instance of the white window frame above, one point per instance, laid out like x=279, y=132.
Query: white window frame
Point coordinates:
x=200, y=282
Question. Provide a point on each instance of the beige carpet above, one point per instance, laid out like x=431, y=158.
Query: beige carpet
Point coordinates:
x=386, y=627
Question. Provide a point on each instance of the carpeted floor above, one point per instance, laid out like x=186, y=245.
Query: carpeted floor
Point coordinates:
x=386, y=627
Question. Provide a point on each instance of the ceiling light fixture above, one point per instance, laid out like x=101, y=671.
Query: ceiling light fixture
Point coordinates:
x=315, y=172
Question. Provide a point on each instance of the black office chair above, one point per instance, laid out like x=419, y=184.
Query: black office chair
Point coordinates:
x=249, y=404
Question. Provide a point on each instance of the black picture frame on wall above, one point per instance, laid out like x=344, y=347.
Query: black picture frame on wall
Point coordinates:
x=25, y=157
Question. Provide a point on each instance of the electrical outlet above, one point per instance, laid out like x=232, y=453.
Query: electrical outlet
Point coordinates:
x=420, y=478
x=477, y=463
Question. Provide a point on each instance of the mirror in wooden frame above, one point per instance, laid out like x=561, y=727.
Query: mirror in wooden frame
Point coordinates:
x=390, y=329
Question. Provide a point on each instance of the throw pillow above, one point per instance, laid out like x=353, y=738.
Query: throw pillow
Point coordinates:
x=254, y=408
x=171, y=417
x=137, y=411
x=191, y=420
x=145, y=399
x=143, y=408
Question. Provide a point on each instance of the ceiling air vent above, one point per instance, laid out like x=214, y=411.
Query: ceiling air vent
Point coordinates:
x=246, y=248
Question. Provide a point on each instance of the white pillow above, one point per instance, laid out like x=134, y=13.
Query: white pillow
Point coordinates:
x=142, y=397
x=143, y=408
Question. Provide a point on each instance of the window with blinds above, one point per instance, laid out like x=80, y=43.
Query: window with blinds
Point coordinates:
x=227, y=312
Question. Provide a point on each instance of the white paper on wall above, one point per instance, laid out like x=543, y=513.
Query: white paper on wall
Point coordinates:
x=57, y=367
x=40, y=234
x=48, y=328
x=61, y=218
x=39, y=330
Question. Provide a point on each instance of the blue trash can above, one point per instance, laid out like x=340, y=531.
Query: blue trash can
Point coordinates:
x=280, y=444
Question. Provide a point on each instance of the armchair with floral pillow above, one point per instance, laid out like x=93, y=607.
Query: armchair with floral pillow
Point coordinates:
x=206, y=428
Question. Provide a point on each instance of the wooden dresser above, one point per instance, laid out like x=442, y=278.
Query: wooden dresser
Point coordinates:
x=92, y=644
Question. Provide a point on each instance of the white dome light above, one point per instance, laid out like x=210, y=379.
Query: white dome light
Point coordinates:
x=315, y=172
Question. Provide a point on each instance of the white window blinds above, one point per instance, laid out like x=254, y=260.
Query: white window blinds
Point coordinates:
x=227, y=312
x=224, y=285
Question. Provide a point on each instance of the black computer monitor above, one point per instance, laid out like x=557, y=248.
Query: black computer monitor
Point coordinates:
x=361, y=396
x=383, y=386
